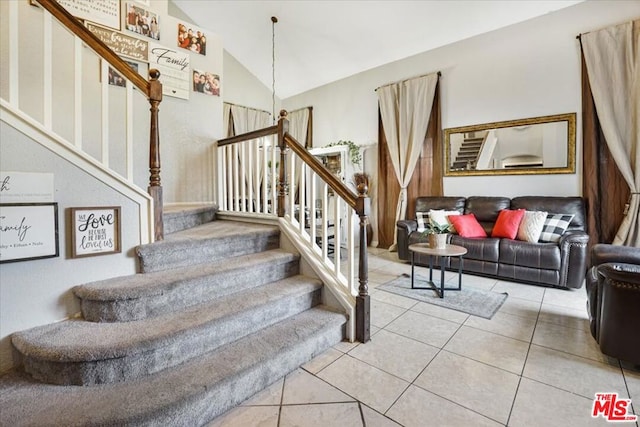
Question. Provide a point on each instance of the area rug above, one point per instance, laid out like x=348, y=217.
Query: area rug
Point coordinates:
x=469, y=300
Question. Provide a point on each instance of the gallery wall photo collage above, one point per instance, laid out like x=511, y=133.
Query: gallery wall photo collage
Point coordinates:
x=140, y=35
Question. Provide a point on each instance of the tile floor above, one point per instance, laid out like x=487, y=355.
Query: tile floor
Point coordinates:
x=533, y=364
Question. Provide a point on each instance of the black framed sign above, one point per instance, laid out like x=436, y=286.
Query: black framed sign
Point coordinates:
x=95, y=231
x=28, y=231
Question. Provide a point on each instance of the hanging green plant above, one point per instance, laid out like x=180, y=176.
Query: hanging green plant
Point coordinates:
x=354, y=150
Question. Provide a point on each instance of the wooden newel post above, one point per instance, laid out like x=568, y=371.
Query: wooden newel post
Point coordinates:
x=155, y=188
x=283, y=127
x=363, y=305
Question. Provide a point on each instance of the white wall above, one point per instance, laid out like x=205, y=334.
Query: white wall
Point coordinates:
x=525, y=70
x=243, y=88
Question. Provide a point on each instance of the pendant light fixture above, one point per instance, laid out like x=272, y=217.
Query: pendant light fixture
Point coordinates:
x=274, y=20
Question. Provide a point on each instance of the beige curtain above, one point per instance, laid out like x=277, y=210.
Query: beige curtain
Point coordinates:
x=299, y=129
x=246, y=120
x=405, y=108
x=612, y=59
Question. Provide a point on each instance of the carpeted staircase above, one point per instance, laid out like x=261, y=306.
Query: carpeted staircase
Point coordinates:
x=218, y=313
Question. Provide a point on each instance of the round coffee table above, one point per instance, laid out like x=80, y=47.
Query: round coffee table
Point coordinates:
x=447, y=251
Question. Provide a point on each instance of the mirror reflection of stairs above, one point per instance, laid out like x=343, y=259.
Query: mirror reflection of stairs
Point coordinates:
x=467, y=156
x=218, y=313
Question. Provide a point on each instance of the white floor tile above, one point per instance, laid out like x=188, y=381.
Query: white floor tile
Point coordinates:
x=420, y=408
x=427, y=329
x=382, y=313
x=395, y=354
x=243, y=416
x=520, y=328
x=495, y=350
x=393, y=299
x=542, y=405
x=301, y=387
x=440, y=312
x=520, y=290
x=565, y=316
x=520, y=307
x=575, y=341
x=484, y=389
x=572, y=373
x=325, y=415
x=369, y=385
x=375, y=419
x=571, y=298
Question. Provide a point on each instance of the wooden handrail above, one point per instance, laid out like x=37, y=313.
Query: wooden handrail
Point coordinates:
x=271, y=130
x=152, y=89
x=69, y=21
x=324, y=173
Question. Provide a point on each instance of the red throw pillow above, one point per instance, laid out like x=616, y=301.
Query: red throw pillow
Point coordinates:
x=467, y=225
x=507, y=223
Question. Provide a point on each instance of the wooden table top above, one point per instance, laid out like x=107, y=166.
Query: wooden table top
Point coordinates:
x=448, y=250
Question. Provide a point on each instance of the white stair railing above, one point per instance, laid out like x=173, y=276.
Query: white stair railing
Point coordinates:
x=86, y=138
x=316, y=210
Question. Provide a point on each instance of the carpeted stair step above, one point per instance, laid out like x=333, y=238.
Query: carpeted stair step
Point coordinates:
x=77, y=352
x=140, y=296
x=205, y=243
x=190, y=394
x=178, y=218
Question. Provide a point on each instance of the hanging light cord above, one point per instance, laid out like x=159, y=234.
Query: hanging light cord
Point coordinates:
x=273, y=68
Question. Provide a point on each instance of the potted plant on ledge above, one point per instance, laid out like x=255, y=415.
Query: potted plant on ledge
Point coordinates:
x=437, y=233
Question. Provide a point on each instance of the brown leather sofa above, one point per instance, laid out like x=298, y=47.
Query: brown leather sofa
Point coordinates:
x=561, y=264
x=613, y=300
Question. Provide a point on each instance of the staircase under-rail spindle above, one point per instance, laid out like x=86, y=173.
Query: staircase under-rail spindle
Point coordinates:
x=218, y=314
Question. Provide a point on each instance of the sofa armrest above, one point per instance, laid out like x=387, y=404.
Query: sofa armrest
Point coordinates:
x=574, y=259
x=603, y=253
x=405, y=228
x=618, y=317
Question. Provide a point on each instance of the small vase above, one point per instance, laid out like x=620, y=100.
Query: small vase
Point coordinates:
x=437, y=241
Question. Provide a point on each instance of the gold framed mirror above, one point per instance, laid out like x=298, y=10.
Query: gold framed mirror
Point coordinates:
x=538, y=145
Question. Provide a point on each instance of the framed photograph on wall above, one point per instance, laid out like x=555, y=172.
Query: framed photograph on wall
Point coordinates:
x=28, y=231
x=142, y=21
x=95, y=231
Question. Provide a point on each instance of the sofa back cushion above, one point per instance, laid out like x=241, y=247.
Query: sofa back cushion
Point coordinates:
x=562, y=205
x=486, y=209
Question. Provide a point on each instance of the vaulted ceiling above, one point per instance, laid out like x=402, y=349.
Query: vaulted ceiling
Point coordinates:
x=318, y=42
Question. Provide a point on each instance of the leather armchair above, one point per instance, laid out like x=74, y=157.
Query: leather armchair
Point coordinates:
x=613, y=300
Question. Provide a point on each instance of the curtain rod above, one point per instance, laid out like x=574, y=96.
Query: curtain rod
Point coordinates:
x=406, y=80
x=248, y=108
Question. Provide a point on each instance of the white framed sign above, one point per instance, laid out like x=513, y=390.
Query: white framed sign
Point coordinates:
x=174, y=69
x=95, y=231
x=28, y=231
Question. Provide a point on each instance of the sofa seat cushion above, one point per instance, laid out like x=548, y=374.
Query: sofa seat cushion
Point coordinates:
x=526, y=254
x=478, y=248
x=529, y=274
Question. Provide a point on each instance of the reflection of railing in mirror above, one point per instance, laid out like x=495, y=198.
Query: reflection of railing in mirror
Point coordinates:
x=536, y=145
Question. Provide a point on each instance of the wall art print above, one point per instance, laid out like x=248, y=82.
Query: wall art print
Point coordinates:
x=206, y=82
x=95, y=231
x=142, y=21
x=192, y=39
x=121, y=44
x=28, y=231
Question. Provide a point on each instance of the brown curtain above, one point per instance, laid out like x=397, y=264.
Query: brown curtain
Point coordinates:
x=426, y=179
x=603, y=186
